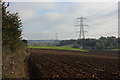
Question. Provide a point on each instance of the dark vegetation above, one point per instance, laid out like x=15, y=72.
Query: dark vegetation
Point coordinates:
x=11, y=28
x=13, y=47
x=102, y=43
x=25, y=42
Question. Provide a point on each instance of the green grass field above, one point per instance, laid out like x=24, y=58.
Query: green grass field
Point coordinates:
x=59, y=48
x=115, y=49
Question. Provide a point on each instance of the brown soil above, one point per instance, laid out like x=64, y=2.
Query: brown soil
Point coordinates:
x=13, y=66
x=45, y=63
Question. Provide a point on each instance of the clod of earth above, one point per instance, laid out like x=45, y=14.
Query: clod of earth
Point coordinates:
x=71, y=64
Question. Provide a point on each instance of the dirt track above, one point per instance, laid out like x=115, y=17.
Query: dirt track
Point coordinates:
x=44, y=63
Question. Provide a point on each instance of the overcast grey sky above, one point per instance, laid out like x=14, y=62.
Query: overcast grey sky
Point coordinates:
x=42, y=20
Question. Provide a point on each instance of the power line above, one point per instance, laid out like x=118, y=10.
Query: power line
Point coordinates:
x=102, y=12
x=81, y=25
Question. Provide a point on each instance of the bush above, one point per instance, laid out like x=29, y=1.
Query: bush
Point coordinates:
x=11, y=28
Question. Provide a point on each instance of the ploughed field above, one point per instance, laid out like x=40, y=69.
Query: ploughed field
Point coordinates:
x=46, y=63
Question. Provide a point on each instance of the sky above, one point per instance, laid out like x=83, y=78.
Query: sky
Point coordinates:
x=61, y=0
x=42, y=20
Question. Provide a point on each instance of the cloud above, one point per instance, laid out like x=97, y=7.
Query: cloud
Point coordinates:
x=44, y=20
x=61, y=0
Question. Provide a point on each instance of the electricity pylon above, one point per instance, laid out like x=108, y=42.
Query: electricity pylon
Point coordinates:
x=81, y=25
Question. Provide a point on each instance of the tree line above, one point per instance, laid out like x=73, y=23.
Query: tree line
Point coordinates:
x=98, y=44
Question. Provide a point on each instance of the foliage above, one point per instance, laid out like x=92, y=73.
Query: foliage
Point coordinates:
x=25, y=42
x=11, y=28
x=97, y=44
x=66, y=42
